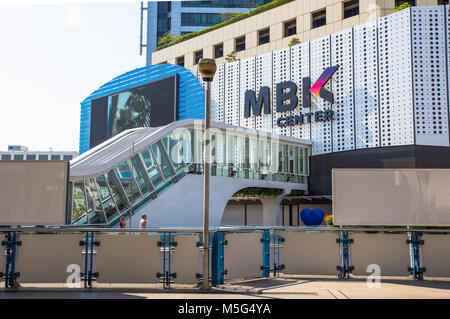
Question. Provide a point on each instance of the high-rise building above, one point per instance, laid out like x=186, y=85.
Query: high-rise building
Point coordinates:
x=182, y=17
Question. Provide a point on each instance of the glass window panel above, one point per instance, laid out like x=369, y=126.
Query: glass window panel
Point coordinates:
x=67, y=157
x=18, y=157
x=179, y=148
x=117, y=193
x=105, y=194
x=128, y=184
x=162, y=159
x=152, y=168
x=254, y=154
x=55, y=157
x=43, y=157
x=79, y=202
x=140, y=175
x=6, y=157
x=95, y=210
x=31, y=157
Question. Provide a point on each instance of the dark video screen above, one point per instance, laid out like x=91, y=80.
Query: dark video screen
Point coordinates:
x=150, y=105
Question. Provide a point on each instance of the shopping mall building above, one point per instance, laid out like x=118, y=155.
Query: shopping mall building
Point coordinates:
x=356, y=93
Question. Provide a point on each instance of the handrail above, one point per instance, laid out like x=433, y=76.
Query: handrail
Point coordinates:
x=67, y=229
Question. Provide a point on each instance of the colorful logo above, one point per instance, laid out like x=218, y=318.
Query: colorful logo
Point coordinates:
x=318, y=87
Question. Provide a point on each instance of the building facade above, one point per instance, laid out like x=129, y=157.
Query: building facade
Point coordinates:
x=375, y=95
x=182, y=17
x=274, y=29
x=20, y=152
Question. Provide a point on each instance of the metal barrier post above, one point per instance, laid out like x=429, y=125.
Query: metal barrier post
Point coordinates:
x=344, y=266
x=167, y=243
x=10, y=273
x=276, y=250
x=265, y=240
x=415, y=250
x=217, y=259
x=88, y=274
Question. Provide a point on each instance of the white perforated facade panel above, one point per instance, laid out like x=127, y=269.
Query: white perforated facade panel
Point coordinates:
x=247, y=82
x=366, y=86
x=447, y=39
x=217, y=95
x=281, y=73
x=299, y=70
x=395, y=79
x=264, y=78
x=321, y=132
x=231, y=115
x=429, y=72
x=342, y=87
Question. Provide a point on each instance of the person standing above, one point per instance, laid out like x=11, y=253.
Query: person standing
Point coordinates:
x=144, y=221
x=122, y=223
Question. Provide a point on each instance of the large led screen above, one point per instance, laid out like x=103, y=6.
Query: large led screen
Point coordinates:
x=149, y=105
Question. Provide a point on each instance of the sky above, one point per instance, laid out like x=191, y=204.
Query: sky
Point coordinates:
x=52, y=56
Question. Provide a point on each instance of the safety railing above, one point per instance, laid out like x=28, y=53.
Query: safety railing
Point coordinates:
x=88, y=257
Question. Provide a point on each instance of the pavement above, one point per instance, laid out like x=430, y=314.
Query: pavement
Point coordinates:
x=283, y=287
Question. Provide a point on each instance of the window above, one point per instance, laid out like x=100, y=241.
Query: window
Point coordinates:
x=180, y=61
x=400, y=2
x=55, y=157
x=263, y=36
x=218, y=51
x=18, y=157
x=319, y=18
x=201, y=19
x=6, y=157
x=197, y=56
x=442, y=2
x=43, y=157
x=290, y=28
x=239, y=44
x=67, y=157
x=163, y=62
x=351, y=8
x=31, y=157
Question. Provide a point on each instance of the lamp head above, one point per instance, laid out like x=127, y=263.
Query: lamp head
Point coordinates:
x=207, y=69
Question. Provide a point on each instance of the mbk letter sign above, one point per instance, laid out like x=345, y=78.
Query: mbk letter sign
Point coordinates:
x=287, y=100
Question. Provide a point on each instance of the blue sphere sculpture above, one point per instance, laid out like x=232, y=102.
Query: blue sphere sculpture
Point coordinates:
x=312, y=217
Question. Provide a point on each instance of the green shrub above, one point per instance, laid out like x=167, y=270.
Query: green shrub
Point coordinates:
x=257, y=10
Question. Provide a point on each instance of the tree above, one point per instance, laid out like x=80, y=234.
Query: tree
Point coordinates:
x=166, y=39
x=294, y=41
x=228, y=15
x=231, y=57
x=402, y=6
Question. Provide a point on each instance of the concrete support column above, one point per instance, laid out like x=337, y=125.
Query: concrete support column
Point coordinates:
x=271, y=209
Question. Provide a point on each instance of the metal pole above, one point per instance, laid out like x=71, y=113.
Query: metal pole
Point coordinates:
x=205, y=285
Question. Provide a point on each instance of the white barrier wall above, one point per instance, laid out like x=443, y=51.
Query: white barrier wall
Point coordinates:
x=389, y=251
x=128, y=259
x=310, y=253
x=243, y=255
x=436, y=255
x=186, y=259
x=43, y=258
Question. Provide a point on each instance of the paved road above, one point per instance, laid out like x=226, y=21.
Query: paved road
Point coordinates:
x=283, y=288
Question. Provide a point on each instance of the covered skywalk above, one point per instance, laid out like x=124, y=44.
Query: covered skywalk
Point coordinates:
x=158, y=171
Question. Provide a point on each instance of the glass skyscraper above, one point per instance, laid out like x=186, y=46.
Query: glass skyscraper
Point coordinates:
x=182, y=17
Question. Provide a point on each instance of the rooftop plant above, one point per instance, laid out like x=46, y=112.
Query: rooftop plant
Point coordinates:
x=239, y=17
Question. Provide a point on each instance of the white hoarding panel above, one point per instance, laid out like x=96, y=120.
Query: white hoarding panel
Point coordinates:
x=217, y=95
x=281, y=73
x=367, y=117
x=33, y=192
x=247, y=82
x=321, y=132
x=395, y=78
x=300, y=70
x=391, y=197
x=231, y=115
x=342, y=85
x=429, y=71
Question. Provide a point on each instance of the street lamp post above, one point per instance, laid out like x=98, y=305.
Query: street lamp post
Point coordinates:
x=207, y=69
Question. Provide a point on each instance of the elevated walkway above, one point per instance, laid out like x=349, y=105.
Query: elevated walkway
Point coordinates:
x=157, y=171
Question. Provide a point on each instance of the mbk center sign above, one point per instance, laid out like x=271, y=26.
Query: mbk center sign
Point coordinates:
x=286, y=100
